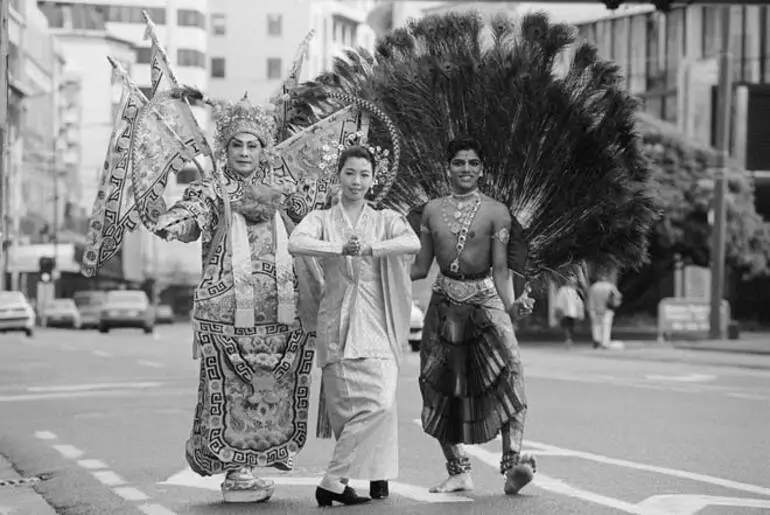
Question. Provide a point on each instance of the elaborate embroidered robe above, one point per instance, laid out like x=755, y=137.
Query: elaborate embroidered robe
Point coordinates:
x=362, y=327
x=256, y=357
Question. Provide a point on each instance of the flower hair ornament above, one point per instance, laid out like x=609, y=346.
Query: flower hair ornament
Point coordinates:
x=386, y=163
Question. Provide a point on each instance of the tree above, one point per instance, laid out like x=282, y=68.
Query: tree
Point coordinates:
x=682, y=170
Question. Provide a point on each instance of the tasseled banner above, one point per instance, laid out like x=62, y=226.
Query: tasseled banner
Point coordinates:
x=324, y=426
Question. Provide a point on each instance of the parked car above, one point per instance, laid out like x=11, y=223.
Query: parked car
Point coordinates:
x=89, y=303
x=415, y=327
x=16, y=313
x=62, y=313
x=127, y=308
x=164, y=314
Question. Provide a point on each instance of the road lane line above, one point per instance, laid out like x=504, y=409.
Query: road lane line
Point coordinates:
x=68, y=451
x=692, y=476
x=155, y=509
x=90, y=387
x=45, y=435
x=102, y=354
x=682, y=474
x=190, y=479
x=560, y=487
x=151, y=364
x=92, y=464
x=109, y=478
x=130, y=493
x=750, y=396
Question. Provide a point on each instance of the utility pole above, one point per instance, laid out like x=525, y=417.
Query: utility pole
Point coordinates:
x=724, y=121
x=4, y=74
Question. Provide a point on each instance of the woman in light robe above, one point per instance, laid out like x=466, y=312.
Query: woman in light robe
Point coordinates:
x=362, y=327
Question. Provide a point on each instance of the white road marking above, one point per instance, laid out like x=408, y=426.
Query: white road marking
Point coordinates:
x=692, y=504
x=691, y=378
x=151, y=364
x=68, y=451
x=155, y=509
x=751, y=396
x=45, y=435
x=130, y=493
x=92, y=464
x=90, y=387
x=560, y=487
x=78, y=395
x=190, y=479
x=109, y=478
x=692, y=476
x=102, y=354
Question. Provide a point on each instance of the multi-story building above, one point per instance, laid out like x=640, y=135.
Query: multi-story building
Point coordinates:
x=670, y=61
x=90, y=30
x=253, y=44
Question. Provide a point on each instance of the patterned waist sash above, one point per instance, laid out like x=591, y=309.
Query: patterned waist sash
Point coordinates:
x=465, y=291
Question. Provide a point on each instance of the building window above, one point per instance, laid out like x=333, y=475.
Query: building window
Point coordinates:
x=143, y=55
x=218, y=24
x=274, y=24
x=190, y=18
x=190, y=58
x=217, y=67
x=274, y=68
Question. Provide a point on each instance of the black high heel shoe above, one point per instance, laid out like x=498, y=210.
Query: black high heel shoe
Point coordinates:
x=378, y=489
x=348, y=497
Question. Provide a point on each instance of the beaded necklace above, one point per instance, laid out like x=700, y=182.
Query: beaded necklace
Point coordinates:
x=465, y=209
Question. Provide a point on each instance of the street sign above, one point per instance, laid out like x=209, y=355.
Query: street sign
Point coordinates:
x=697, y=282
x=688, y=316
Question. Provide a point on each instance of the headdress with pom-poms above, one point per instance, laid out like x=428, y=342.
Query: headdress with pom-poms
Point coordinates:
x=243, y=116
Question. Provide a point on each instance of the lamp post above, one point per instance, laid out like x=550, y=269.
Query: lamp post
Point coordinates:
x=724, y=120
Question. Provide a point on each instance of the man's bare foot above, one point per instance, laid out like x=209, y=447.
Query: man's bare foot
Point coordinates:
x=521, y=475
x=456, y=483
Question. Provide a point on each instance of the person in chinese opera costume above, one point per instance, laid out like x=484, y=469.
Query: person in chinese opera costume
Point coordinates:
x=255, y=342
x=544, y=174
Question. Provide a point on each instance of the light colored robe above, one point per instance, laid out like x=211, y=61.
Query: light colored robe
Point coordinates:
x=362, y=327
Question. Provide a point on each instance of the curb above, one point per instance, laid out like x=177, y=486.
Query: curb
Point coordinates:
x=17, y=494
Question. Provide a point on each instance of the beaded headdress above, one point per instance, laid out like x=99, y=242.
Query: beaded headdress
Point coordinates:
x=243, y=116
x=331, y=156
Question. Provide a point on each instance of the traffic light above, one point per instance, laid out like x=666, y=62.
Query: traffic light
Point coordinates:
x=47, y=266
x=660, y=5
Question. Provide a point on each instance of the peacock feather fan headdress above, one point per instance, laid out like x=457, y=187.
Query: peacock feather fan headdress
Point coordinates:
x=555, y=120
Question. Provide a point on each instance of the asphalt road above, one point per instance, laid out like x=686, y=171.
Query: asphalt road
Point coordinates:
x=106, y=416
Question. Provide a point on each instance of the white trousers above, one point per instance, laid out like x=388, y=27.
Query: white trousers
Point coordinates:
x=360, y=396
x=601, y=327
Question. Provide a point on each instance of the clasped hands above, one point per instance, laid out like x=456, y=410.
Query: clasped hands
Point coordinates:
x=354, y=247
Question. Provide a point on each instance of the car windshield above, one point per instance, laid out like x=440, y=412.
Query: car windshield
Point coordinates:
x=127, y=297
x=59, y=304
x=91, y=298
x=11, y=298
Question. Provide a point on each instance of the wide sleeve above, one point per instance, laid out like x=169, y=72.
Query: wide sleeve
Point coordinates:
x=192, y=217
x=307, y=238
x=400, y=238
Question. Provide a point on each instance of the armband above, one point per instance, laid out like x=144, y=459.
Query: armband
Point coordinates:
x=503, y=236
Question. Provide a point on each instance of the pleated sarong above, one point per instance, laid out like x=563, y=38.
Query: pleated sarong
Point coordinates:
x=470, y=370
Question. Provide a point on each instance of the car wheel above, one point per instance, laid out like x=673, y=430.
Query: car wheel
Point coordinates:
x=148, y=329
x=415, y=345
x=29, y=332
x=104, y=329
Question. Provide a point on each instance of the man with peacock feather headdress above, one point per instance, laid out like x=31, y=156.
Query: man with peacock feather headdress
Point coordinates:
x=564, y=183
x=254, y=338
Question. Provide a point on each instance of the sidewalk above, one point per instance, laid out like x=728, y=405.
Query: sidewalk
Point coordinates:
x=730, y=353
x=20, y=499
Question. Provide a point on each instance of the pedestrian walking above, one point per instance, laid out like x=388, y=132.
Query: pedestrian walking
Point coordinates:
x=363, y=323
x=569, y=309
